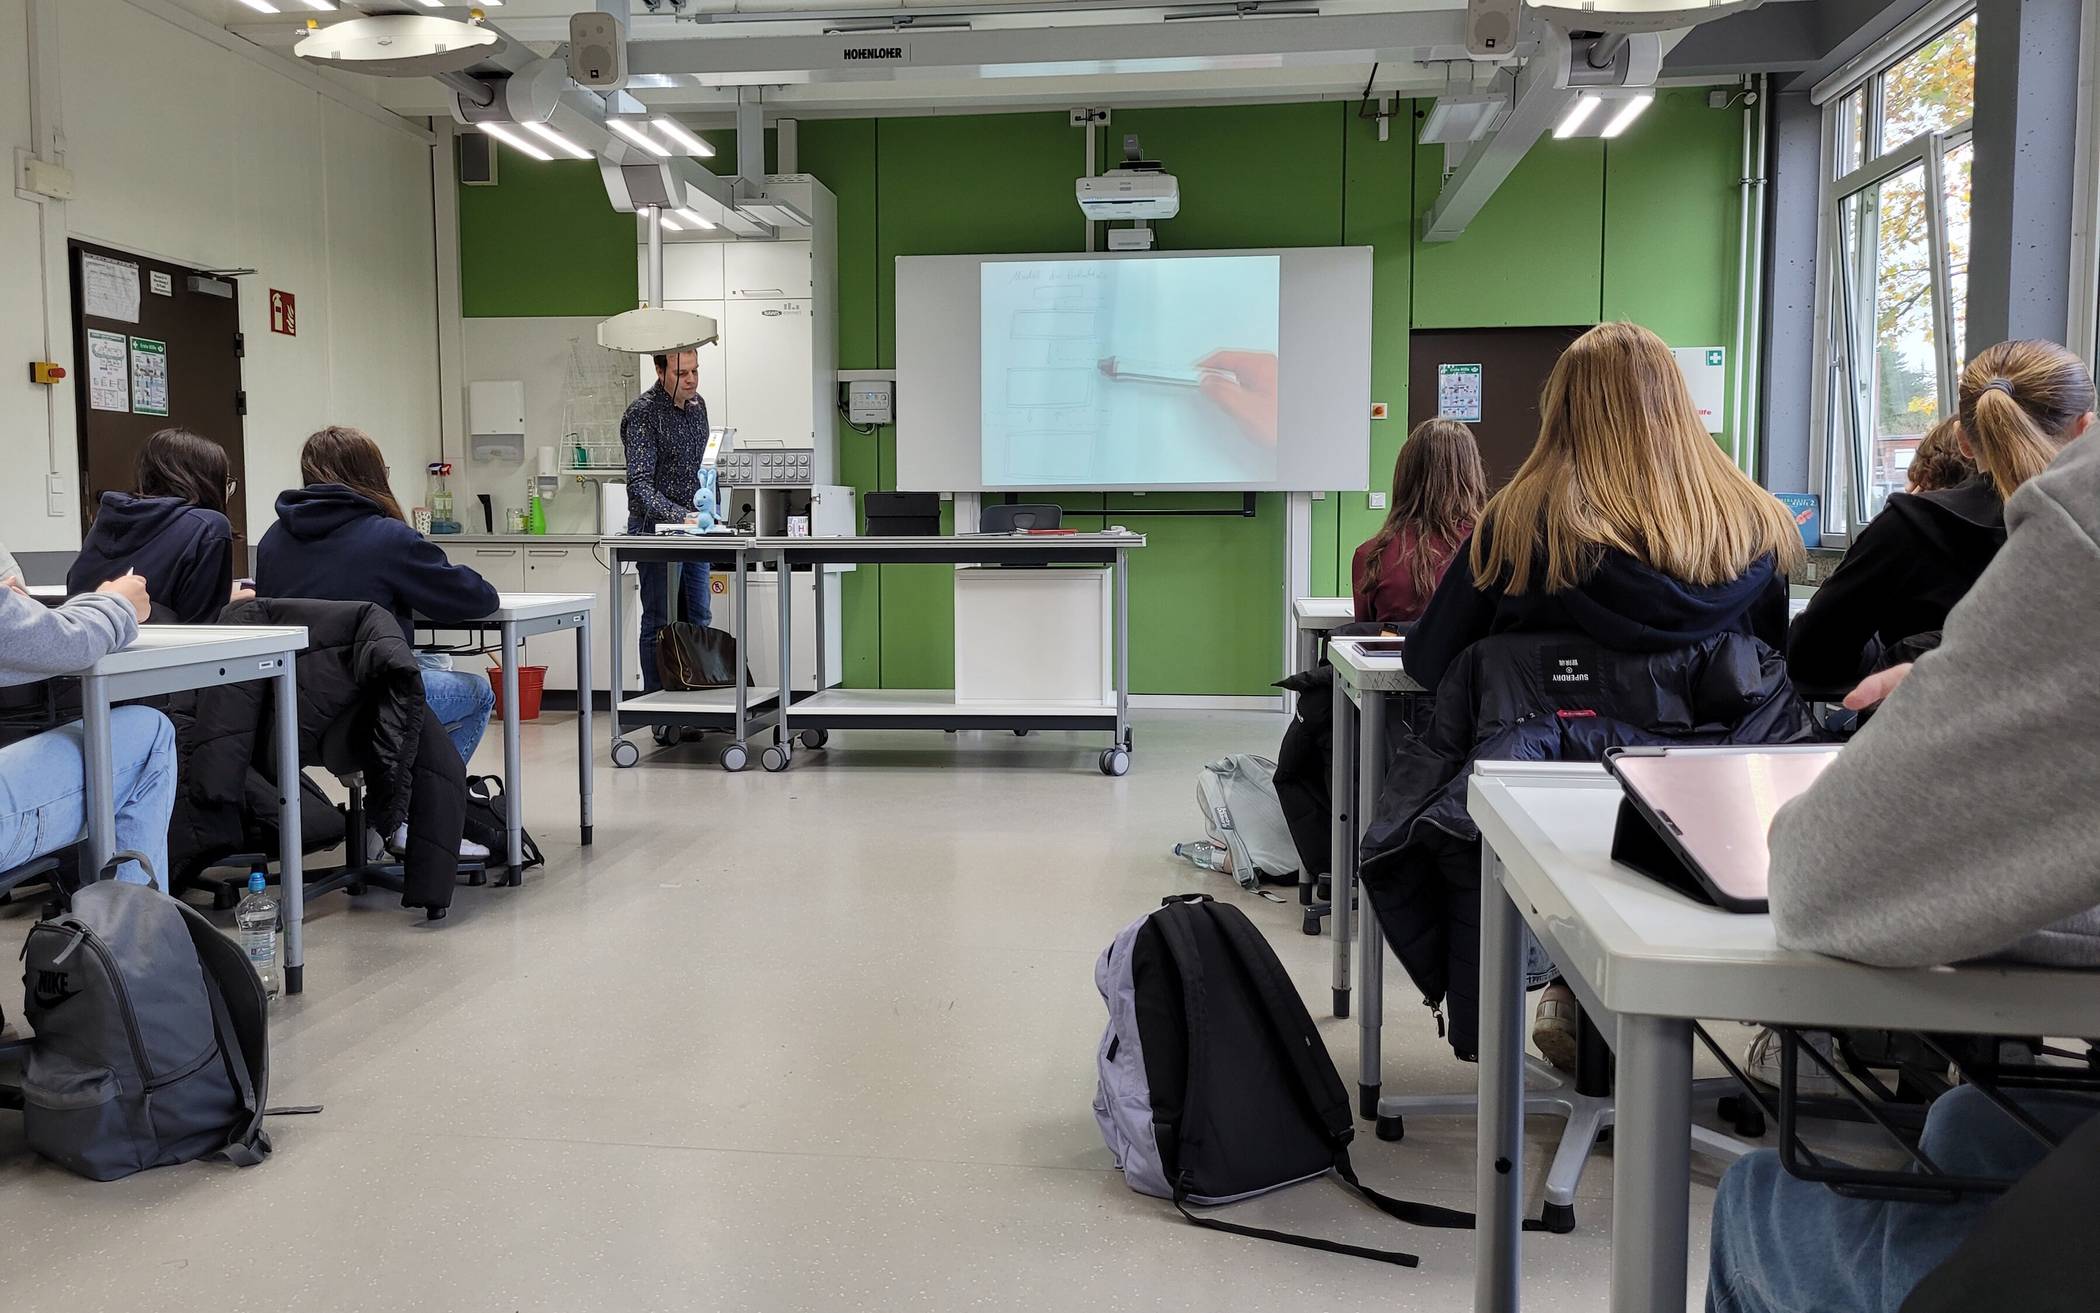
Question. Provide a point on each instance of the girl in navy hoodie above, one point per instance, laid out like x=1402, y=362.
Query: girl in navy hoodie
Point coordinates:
x=342, y=538
x=173, y=532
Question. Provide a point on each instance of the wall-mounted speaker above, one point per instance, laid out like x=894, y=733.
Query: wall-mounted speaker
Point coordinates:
x=1491, y=27
x=477, y=159
x=597, y=51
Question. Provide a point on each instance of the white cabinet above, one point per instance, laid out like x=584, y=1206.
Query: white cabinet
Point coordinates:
x=1034, y=635
x=692, y=271
x=767, y=270
x=502, y=566
x=762, y=600
x=770, y=352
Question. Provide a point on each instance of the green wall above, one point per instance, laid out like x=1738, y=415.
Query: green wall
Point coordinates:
x=1640, y=228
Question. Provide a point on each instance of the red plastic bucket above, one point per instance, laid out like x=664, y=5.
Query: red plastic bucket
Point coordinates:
x=532, y=680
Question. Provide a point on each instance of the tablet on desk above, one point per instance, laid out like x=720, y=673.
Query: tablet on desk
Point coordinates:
x=1696, y=819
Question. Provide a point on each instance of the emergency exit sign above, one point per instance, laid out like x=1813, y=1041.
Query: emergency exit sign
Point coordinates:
x=284, y=313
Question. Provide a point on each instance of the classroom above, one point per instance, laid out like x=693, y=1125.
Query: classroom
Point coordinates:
x=751, y=517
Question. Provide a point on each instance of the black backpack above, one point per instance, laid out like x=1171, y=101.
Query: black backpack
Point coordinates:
x=488, y=819
x=1215, y=1085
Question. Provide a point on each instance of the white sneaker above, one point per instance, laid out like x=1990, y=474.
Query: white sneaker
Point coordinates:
x=397, y=842
x=1761, y=1062
x=472, y=851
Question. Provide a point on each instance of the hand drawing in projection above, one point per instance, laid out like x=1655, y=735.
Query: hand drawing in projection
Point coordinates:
x=1120, y=373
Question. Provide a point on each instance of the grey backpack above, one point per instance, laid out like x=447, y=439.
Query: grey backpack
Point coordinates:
x=151, y=1043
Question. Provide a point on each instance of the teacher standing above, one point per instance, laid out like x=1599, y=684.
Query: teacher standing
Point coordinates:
x=665, y=436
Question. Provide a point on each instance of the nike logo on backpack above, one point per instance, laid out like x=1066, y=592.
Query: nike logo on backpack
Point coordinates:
x=51, y=989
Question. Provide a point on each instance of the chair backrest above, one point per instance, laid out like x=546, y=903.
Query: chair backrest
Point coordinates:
x=1001, y=518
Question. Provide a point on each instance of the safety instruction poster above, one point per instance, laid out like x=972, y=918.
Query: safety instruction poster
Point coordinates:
x=1705, y=370
x=109, y=289
x=149, y=376
x=109, y=377
x=1458, y=392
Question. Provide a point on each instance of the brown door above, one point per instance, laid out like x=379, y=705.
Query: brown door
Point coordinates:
x=178, y=352
x=1512, y=365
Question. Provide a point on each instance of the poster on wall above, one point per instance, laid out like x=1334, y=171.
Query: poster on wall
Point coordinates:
x=149, y=376
x=1705, y=370
x=109, y=289
x=1458, y=392
x=109, y=377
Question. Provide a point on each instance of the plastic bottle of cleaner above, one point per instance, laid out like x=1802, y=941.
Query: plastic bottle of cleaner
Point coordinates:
x=256, y=918
x=1205, y=854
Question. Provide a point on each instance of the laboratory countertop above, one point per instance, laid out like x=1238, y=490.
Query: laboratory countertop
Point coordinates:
x=516, y=539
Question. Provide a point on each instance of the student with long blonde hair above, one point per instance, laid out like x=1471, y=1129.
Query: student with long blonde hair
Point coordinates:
x=1438, y=487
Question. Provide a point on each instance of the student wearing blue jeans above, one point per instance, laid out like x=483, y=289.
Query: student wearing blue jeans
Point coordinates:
x=43, y=778
x=462, y=700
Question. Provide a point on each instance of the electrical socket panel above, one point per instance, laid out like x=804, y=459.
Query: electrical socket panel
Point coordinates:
x=1377, y=501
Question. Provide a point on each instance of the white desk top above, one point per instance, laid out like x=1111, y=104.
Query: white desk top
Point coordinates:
x=1320, y=614
x=48, y=592
x=1364, y=673
x=525, y=606
x=989, y=543
x=160, y=647
x=1647, y=950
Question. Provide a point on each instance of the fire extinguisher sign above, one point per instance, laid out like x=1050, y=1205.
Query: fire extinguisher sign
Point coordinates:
x=284, y=313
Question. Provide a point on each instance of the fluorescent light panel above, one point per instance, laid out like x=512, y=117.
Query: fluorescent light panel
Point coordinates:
x=320, y=4
x=628, y=129
x=515, y=140
x=679, y=136
x=692, y=217
x=669, y=224
x=559, y=142
x=1628, y=112
x=1577, y=114
x=262, y=6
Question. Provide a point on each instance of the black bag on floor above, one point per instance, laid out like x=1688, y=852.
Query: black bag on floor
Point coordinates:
x=690, y=656
x=488, y=819
x=152, y=1036
x=1215, y=1086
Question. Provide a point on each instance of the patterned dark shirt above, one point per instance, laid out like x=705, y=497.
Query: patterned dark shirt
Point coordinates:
x=664, y=448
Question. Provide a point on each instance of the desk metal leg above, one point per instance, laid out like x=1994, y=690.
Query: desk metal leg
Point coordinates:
x=1370, y=948
x=617, y=677
x=1499, y=1176
x=782, y=752
x=100, y=764
x=1651, y=1165
x=585, y=695
x=823, y=664
x=1342, y=874
x=743, y=628
x=513, y=775
x=1122, y=648
x=290, y=843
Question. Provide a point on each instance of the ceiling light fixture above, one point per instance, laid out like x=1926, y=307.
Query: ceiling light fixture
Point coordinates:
x=516, y=141
x=1626, y=115
x=1577, y=114
x=261, y=6
x=320, y=4
x=678, y=134
x=627, y=129
x=693, y=218
x=668, y=225
x=559, y=142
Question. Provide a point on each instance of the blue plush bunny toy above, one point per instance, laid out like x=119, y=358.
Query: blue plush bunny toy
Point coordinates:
x=706, y=502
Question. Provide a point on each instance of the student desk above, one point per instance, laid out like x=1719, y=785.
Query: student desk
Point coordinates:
x=836, y=708
x=1312, y=617
x=739, y=709
x=1363, y=686
x=177, y=658
x=48, y=594
x=517, y=617
x=1649, y=962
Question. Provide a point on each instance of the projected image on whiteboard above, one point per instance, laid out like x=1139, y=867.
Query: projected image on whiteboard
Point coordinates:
x=1110, y=373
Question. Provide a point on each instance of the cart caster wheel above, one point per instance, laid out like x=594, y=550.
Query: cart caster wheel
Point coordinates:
x=1392, y=1129
x=815, y=738
x=1558, y=1218
x=774, y=758
x=625, y=754
x=1115, y=761
x=664, y=735
x=735, y=757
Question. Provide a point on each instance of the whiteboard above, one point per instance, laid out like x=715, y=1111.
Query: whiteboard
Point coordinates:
x=1125, y=395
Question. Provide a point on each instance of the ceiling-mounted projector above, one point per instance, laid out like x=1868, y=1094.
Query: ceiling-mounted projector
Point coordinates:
x=1636, y=15
x=398, y=45
x=1136, y=189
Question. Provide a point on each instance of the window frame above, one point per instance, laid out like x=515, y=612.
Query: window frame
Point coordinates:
x=1838, y=402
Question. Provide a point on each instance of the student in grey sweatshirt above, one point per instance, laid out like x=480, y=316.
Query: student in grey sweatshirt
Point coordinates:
x=1960, y=823
x=42, y=804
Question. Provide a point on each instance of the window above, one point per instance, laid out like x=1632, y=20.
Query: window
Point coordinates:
x=1895, y=242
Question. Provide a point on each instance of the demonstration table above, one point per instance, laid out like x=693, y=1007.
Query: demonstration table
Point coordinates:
x=1310, y=618
x=830, y=708
x=738, y=709
x=517, y=617
x=1650, y=962
x=167, y=659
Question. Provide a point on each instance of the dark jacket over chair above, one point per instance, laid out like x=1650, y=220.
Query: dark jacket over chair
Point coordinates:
x=184, y=552
x=357, y=667
x=1629, y=656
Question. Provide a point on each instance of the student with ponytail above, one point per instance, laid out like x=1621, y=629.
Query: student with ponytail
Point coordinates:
x=1438, y=488
x=2021, y=402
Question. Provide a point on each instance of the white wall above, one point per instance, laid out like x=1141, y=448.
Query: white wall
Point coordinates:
x=185, y=150
x=536, y=351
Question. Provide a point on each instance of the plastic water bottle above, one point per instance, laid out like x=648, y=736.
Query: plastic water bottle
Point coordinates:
x=1206, y=855
x=257, y=918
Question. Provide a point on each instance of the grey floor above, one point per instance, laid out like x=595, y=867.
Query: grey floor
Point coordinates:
x=815, y=1041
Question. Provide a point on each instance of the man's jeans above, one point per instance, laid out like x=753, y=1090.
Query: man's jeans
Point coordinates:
x=43, y=792
x=693, y=606
x=1784, y=1245
x=462, y=701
